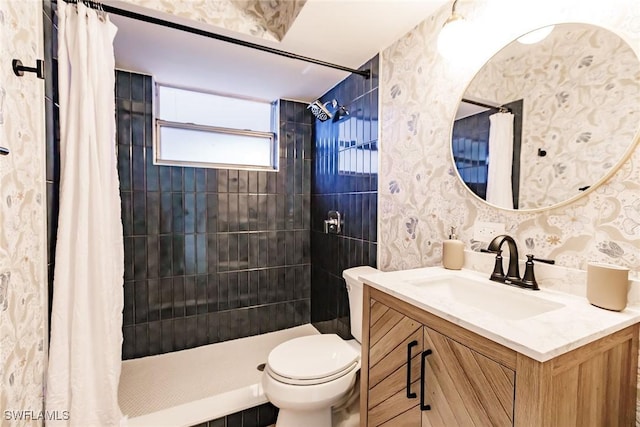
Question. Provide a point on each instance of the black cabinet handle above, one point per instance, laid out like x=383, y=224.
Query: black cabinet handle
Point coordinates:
x=410, y=395
x=423, y=362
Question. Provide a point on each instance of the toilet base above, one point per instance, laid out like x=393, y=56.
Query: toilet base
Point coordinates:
x=314, y=418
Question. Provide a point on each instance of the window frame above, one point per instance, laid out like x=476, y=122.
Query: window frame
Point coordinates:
x=272, y=136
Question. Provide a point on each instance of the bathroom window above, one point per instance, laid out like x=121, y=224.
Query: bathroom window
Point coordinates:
x=203, y=129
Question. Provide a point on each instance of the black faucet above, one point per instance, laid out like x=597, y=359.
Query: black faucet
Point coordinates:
x=528, y=281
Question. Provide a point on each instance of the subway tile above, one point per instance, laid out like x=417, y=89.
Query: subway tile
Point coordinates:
x=223, y=181
x=223, y=292
x=178, y=262
x=243, y=324
x=201, y=213
x=243, y=251
x=153, y=256
x=189, y=177
x=176, y=178
x=213, y=327
x=233, y=215
x=137, y=168
x=201, y=180
x=233, y=182
x=191, y=332
x=202, y=331
x=212, y=180
x=223, y=212
x=152, y=212
x=201, y=254
x=165, y=255
x=212, y=253
x=140, y=257
x=129, y=342
x=128, y=311
x=212, y=292
x=212, y=213
x=178, y=298
x=142, y=340
x=164, y=178
x=177, y=211
x=124, y=167
x=233, y=295
x=243, y=212
x=166, y=298
x=190, y=296
x=137, y=129
x=155, y=337
x=190, y=254
x=123, y=85
x=201, y=294
x=167, y=331
x=139, y=213
x=128, y=258
x=137, y=87
x=189, y=212
x=154, y=303
x=180, y=336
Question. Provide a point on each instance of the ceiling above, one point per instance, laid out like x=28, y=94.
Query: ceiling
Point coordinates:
x=344, y=32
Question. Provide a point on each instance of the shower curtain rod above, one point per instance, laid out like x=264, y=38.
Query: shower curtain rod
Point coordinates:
x=157, y=21
x=500, y=108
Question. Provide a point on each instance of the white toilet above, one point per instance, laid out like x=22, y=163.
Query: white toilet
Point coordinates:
x=304, y=377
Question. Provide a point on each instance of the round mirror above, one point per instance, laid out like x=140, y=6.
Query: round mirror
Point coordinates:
x=549, y=117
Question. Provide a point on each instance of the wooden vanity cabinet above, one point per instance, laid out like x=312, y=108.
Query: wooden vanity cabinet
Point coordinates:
x=421, y=370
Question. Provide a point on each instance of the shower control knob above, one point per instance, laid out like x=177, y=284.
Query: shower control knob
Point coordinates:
x=333, y=223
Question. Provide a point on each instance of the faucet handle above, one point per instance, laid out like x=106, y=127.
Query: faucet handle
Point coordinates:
x=529, y=278
x=498, y=271
x=546, y=261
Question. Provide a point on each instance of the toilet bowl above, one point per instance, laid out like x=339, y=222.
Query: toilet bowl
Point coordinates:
x=304, y=377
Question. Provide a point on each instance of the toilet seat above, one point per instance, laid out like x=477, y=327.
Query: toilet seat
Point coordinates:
x=310, y=360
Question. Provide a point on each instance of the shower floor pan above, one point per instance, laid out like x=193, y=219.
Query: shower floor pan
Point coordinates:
x=188, y=387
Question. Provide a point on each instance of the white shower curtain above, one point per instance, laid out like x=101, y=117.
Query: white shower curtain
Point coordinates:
x=499, y=190
x=86, y=335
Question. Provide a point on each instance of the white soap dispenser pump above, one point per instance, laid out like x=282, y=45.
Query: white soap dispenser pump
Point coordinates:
x=453, y=252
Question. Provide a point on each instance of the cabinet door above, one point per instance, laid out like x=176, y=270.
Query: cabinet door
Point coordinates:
x=463, y=387
x=395, y=345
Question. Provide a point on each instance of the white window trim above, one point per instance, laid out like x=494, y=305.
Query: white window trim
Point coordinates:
x=273, y=136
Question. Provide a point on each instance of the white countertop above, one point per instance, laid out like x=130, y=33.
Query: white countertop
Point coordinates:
x=572, y=323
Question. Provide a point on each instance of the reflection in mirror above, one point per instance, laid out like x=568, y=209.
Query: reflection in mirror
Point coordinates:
x=574, y=102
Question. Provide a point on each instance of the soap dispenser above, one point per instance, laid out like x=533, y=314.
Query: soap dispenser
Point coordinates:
x=452, y=252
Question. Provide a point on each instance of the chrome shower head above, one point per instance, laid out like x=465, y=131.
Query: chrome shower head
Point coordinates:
x=320, y=111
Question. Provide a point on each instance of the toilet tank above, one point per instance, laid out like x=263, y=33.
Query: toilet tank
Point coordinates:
x=354, y=289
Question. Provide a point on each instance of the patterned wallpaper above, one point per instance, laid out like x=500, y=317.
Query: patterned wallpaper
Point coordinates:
x=421, y=196
x=22, y=216
x=268, y=19
x=581, y=105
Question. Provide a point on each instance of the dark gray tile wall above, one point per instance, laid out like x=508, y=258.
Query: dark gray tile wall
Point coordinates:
x=260, y=416
x=352, y=192
x=210, y=255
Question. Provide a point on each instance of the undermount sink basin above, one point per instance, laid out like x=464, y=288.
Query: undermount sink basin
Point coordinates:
x=495, y=298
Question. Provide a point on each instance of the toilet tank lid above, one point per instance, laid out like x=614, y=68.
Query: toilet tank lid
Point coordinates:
x=354, y=272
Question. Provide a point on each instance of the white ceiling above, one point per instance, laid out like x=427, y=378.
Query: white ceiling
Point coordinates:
x=344, y=32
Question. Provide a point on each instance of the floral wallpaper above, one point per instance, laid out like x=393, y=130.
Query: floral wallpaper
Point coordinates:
x=22, y=217
x=268, y=19
x=420, y=194
x=581, y=105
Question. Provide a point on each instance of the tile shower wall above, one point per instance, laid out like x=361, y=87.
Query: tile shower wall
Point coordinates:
x=344, y=179
x=259, y=416
x=210, y=255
